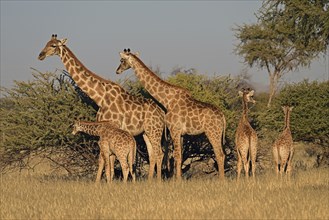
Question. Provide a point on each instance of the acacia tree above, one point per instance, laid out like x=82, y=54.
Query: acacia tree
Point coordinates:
x=36, y=119
x=287, y=35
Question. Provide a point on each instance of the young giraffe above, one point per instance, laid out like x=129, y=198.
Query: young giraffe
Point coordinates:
x=185, y=115
x=133, y=114
x=112, y=141
x=246, y=137
x=283, y=147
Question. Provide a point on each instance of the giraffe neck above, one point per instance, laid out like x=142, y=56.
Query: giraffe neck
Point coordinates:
x=162, y=91
x=287, y=120
x=90, y=128
x=90, y=83
x=245, y=109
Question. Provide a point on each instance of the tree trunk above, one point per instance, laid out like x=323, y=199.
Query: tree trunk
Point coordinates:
x=274, y=77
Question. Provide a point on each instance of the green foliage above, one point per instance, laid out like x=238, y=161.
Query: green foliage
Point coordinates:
x=37, y=116
x=289, y=34
x=309, y=117
x=305, y=22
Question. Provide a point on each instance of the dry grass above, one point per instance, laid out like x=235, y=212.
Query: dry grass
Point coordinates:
x=306, y=196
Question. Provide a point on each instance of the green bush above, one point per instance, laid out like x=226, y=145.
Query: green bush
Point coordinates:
x=37, y=116
x=309, y=117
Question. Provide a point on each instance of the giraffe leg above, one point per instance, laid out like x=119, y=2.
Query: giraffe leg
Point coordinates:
x=218, y=150
x=151, y=156
x=159, y=164
x=112, y=160
x=253, y=155
x=100, y=168
x=289, y=166
x=124, y=167
x=276, y=159
x=246, y=163
x=156, y=142
x=131, y=161
x=239, y=165
x=106, y=156
x=153, y=127
x=283, y=164
x=177, y=154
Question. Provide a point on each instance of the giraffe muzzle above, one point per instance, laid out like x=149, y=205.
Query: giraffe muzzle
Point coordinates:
x=118, y=71
x=42, y=56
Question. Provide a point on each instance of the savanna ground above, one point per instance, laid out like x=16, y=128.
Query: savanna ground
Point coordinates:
x=305, y=196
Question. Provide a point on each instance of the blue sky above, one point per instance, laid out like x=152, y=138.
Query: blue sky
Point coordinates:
x=167, y=34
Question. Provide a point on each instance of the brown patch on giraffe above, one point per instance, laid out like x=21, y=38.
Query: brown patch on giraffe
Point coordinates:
x=71, y=63
x=65, y=59
x=98, y=99
x=114, y=108
x=84, y=76
x=92, y=93
x=90, y=84
x=76, y=78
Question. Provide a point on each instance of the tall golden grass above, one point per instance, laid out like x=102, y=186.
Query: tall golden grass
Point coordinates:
x=305, y=196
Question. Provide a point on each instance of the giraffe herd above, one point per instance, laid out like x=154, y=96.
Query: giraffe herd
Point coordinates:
x=121, y=116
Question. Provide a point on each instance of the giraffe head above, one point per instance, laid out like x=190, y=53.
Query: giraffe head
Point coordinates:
x=125, y=61
x=76, y=127
x=286, y=109
x=247, y=95
x=53, y=47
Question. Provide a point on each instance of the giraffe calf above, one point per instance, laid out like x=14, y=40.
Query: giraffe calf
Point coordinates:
x=246, y=137
x=283, y=146
x=113, y=142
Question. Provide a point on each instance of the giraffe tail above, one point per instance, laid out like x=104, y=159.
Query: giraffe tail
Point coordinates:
x=249, y=150
x=134, y=152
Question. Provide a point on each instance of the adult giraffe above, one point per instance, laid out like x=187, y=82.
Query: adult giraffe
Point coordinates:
x=133, y=114
x=185, y=115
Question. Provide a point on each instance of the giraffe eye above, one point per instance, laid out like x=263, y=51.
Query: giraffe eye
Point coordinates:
x=53, y=45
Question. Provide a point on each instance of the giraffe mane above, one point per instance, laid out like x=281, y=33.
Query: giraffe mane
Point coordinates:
x=89, y=71
x=165, y=82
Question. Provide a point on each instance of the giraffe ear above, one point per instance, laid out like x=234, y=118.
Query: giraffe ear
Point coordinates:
x=136, y=54
x=63, y=41
x=240, y=93
x=251, y=93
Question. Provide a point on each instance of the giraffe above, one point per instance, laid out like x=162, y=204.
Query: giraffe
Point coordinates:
x=283, y=149
x=246, y=137
x=112, y=141
x=184, y=115
x=131, y=113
